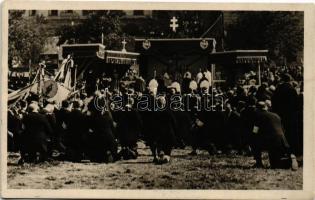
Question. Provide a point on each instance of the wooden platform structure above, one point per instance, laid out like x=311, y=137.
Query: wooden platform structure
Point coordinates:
x=238, y=58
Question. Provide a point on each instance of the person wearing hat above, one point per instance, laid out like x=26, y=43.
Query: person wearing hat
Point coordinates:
x=285, y=103
x=37, y=131
x=176, y=86
x=269, y=135
x=204, y=86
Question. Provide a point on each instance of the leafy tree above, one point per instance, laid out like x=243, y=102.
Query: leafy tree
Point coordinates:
x=91, y=29
x=26, y=37
x=282, y=31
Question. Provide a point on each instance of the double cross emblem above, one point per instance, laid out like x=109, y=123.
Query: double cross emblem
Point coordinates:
x=174, y=24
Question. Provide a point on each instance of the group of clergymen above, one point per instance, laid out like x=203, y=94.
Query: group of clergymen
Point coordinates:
x=245, y=121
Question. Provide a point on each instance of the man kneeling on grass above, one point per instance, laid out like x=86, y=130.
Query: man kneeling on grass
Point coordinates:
x=268, y=135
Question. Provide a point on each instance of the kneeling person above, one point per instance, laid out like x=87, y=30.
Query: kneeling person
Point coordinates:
x=268, y=135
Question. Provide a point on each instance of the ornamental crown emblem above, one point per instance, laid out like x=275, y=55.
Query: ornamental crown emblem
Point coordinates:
x=204, y=44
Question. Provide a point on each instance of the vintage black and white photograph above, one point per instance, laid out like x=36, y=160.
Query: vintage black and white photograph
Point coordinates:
x=155, y=99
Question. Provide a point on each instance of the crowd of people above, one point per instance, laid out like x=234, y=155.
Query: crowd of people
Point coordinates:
x=103, y=123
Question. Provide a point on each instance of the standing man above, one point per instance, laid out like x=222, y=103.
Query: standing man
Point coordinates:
x=285, y=104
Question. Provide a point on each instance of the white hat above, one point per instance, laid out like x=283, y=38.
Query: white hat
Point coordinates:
x=199, y=77
x=272, y=88
x=193, y=85
x=176, y=86
x=153, y=84
x=268, y=103
x=204, y=84
x=49, y=108
x=207, y=75
x=187, y=75
x=33, y=107
x=166, y=75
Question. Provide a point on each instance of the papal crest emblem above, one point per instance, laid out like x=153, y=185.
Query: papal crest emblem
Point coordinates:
x=146, y=44
x=204, y=44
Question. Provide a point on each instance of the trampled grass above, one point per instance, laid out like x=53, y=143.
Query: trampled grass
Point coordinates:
x=183, y=172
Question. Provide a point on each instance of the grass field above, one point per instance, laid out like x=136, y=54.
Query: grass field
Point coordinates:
x=183, y=172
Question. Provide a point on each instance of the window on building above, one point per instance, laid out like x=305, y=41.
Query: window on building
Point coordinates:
x=32, y=12
x=138, y=12
x=69, y=11
x=53, y=13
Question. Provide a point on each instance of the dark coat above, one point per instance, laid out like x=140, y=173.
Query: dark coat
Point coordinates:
x=233, y=128
x=62, y=118
x=52, y=121
x=285, y=104
x=247, y=120
x=77, y=129
x=203, y=136
x=185, y=85
x=285, y=101
x=183, y=125
x=129, y=125
x=15, y=127
x=37, y=132
x=164, y=129
x=102, y=138
x=218, y=127
x=270, y=132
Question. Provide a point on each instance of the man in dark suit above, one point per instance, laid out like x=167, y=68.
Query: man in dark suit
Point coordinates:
x=62, y=117
x=77, y=132
x=37, y=131
x=268, y=135
x=285, y=104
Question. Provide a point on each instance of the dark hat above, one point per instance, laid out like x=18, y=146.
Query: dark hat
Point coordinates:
x=286, y=77
x=76, y=104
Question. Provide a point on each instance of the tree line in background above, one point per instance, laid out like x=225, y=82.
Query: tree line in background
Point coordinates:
x=279, y=32
x=26, y=38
